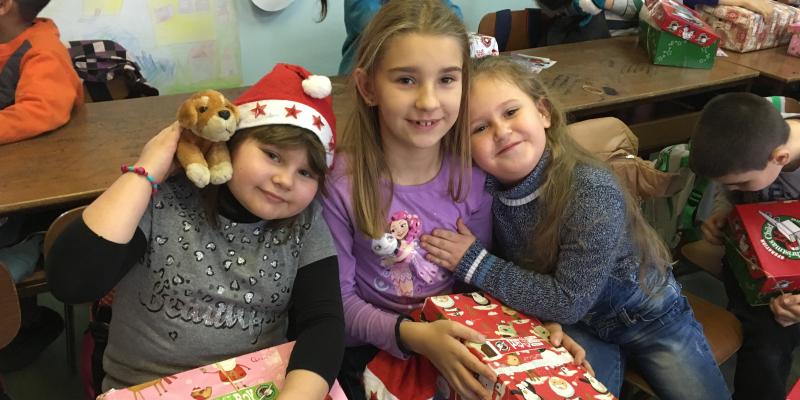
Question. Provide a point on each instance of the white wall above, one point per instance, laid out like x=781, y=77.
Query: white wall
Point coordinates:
x=293, y=36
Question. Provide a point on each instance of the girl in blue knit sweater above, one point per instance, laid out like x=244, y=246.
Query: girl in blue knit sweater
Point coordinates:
x=574, y=246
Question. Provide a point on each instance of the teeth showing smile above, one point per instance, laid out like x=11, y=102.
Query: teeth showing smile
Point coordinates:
x=424, y=123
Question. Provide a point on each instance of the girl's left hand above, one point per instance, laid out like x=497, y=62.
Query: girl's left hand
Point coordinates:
x=786, y=309
x=446, y=248
x=559, y=338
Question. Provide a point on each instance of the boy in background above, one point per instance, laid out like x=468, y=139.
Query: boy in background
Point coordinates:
x=38, y=89
x=751, y=148
x=38, y=86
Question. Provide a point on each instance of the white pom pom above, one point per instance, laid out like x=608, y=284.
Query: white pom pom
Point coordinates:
x=317, y=86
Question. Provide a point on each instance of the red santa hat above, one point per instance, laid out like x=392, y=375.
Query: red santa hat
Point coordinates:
x=291, y=95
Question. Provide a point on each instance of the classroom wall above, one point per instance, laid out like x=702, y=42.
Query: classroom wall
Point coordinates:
x=293, y=36
x=187, y=45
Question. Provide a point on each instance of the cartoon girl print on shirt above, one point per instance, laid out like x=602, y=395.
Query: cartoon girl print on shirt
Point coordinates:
x=398, y=251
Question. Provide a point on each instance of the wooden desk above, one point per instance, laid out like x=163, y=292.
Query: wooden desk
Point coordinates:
x=621, y=69
x=78, y=161
x=773, y=63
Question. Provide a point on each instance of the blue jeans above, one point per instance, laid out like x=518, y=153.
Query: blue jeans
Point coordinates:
x=657, y=334
x=605, y=358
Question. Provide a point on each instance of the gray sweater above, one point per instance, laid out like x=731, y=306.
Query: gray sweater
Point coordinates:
x=595, y=245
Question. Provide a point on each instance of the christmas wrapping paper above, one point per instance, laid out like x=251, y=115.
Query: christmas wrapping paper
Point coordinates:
x=794, y=43
x=743, y=30
x=679, y=20
x=517, y=349
x=482, y=45
x=668, y=47
x=254, y=376
x=763, y=249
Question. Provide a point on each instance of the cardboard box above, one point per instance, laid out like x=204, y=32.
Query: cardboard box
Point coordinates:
x=254, y=376
x=764, y=248
x=666, y=49
x=482, y=45
x=517, y=349
x=679, y=20
x=743, y=30
x=794, y=43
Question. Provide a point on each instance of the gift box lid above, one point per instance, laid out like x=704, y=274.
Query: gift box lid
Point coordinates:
x=773, y=230
x=679, y=20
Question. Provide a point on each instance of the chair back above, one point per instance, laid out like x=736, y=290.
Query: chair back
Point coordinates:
x=10, y=314
x=58, y=226
x=514, y=30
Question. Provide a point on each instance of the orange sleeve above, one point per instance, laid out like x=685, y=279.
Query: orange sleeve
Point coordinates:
x=46, y=92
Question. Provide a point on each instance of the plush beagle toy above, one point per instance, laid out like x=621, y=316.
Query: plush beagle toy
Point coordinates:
x=207, y=120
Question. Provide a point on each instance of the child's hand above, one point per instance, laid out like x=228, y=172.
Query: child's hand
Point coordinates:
x=558, y=338
x=440, y=342
x=712, y=227
x=446, y=248
x=159, y=152
x=786, y=309
x=762, y=7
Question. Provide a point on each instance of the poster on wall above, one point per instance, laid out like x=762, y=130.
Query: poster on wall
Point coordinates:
x=181, y=45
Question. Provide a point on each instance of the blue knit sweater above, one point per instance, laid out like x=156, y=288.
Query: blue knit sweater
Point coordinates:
x=595, y=245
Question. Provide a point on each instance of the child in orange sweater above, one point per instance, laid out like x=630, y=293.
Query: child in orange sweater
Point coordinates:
x=38, y=86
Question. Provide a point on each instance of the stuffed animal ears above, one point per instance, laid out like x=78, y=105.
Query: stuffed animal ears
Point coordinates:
x=187, y=115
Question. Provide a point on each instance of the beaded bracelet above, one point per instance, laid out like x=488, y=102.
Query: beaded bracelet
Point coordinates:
x=140, y=171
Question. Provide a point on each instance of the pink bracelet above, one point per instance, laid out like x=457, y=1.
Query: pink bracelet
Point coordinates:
x=140, y=171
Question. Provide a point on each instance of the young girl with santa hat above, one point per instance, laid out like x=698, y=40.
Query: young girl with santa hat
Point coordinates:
x=205, y=276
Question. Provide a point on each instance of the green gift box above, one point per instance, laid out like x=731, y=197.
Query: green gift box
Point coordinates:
x=665, y=48
x=751, y=287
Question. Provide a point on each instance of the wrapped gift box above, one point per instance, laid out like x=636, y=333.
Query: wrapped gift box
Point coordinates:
x=674, y=17
x=794, y=43
x=482, y=45
x=744, y=30
x=517, y=349
x=764, y=248
x=257, y=375
x=672, y=34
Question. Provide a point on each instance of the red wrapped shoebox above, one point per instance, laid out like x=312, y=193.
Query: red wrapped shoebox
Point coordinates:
x=681, y=21
x=517, y=349
x=765, y=241
x=255, y=376
x=743, y=30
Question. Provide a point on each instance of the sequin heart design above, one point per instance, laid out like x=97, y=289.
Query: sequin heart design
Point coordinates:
x=173, y=335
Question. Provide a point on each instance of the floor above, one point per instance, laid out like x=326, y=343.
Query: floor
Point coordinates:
x=49, y=377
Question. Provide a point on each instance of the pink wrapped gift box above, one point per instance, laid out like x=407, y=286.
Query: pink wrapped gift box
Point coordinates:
x=744, y=30
x=481, y=46
x=794, y=44
x=257, y=375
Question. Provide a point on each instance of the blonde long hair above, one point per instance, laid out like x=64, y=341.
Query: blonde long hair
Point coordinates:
x=558, y=190
x=361, y=139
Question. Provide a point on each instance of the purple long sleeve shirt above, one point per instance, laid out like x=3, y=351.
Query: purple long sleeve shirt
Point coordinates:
x=382, y=279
